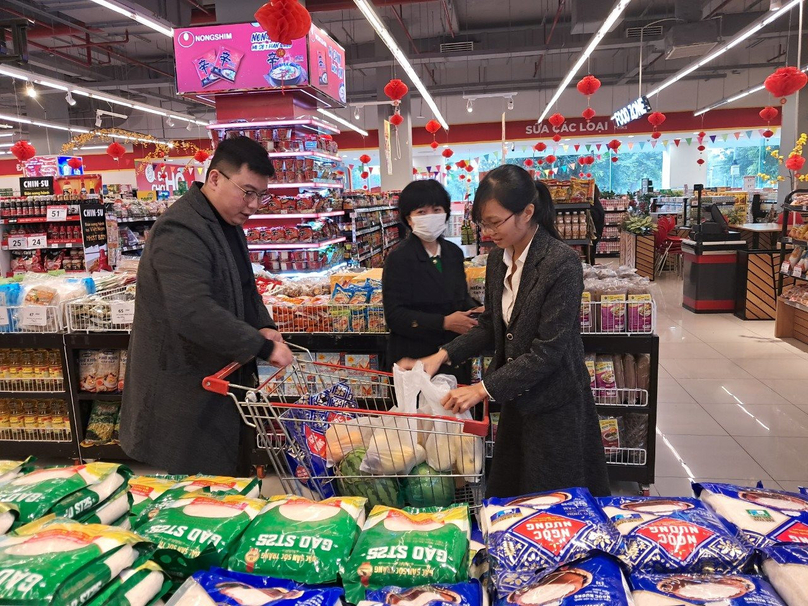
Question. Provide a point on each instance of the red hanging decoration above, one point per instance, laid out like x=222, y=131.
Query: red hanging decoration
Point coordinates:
x=614, y=158
x=588, y=175
x=414, y=171
x=795, y=163
x=581, y=160
x=284, y=20
x=701, y=148
x=539, y=161
x=75, y=163
x=768, y=133
x=588, y=114
x=613, y=145
x=469, y=168
x=590, y=159
x=702, y=134
x=396, y=120
x=581, y=175
x=116, y=150
x=540, y=147
x=432, y=126
x=768, y=113
x=588, y=85
x=365, y=174
x=461, y=164
x=364, y=158
x=550, y=159
x=23, y=150
x=656, y=134
x=700, y=161
x=395, y=90
x=201, y=155
x=434, y=145
x=556, y=138
x=447, y=153
x=785, y=81
x=656, y=119
x=529, y=162
x=556, y=120
x=462, y=177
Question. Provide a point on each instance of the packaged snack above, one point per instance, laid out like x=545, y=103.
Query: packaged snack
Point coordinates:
x=619, y=373
x=340, y=295
x=613, y=313
x=643, y=371
x=101, y=424
x=122, y=370
x=408, y=548
x=582, y=190
x=84, y=501
x=597, y=581
x=438, y=594
x=204, y=65
x=110, y=511
x=197, y=532
x=88, y=370
x=639, y=313
x=590, y=366
x=586, y=312
x=630, y=373
x=702, y=590
x=604, y=376
x=673, y=535
x=786, y=567
x=145, y=489
x=227, y=63
x=761, y=517
x=530, y=534
x=141, y=586
x=636, y=430
x=300, y=540
x=609, y=433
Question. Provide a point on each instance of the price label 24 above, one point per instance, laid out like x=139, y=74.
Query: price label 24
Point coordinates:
x=37, y=242
x=122, y=312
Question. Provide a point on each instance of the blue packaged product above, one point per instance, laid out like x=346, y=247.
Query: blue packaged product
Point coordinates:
x=674, y=535
x=761, y=517
x=225, y=588
x=9, y=297
x=702, y=590
x=597, y=581
x=529, y=534
x=786, y=567
x=439, y=594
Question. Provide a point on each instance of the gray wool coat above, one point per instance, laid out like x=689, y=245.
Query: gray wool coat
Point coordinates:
x=548, y=435
x=189, y=323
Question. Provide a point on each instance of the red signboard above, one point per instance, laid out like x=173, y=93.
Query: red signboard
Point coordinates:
x=166, y=177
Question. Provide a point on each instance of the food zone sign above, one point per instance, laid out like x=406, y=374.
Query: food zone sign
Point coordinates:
x=631, y=112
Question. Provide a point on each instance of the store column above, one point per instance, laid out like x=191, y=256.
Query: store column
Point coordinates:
x=684, y=168
x=395, y=149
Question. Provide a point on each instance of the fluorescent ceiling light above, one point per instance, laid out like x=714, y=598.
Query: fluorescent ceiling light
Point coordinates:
x=381, y=30
x=733, y=98
x=43, y=124
x=336, y=118
x=85, y=147
x=604, y=29
x=744, y=34
x=159, y=26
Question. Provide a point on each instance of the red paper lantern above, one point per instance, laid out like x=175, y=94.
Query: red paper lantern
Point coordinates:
x=656, y=134
x=447, y=153
x=613, y=145
x=461, y=164
x=785, y=81
x=588, y=114
x=284, y=20
x=550, y=159
x=590, y=159
x=116, y=150
x=469, y=168
x=432, y=126
x=396, y=120
x=556, y=138
x=656, y=118
x=201, y=155
x=75, y=163
x=396, y=89
x=588, y=175
x=614, y=158
x=365, y=174
x=581, y=160
x=462, y=177
x=795, y=163
x=434, y=145
x=581, y=175
x=539, y=161
x=701, y=148
x=702, y=134
x=700, y=161
x=588, y=85
x=529, y=162
x=768, y=113
x=23, y=150
x=768, y=133
x=364, y=187
x=556, y=120
x=364, y=158
x=540, y=147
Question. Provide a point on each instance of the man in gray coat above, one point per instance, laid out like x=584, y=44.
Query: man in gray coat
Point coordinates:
x=197, y=310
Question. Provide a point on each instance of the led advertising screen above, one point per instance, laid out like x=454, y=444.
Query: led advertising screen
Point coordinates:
x=326, y=64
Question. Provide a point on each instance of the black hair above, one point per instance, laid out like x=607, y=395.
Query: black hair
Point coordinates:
x=232, y=154
x=422, y=194
x=514, y=188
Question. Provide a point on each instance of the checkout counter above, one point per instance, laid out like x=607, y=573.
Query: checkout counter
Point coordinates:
x=711, y=273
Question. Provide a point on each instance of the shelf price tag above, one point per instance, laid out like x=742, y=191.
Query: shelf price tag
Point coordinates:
x=3, y=316
x=785, y=267
x=40, y=241
x=34, y=316
x=797, y=272
x=122, y=312
x=57, y=213
x=17, y=242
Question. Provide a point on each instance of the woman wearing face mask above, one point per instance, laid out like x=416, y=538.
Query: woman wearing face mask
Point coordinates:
x=426, y=299
x=548, y=436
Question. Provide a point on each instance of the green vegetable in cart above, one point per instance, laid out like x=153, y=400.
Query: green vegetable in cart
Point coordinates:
x=355, y=483
x=427, y=487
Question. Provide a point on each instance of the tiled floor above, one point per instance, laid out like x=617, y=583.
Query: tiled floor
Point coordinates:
x=732, y=404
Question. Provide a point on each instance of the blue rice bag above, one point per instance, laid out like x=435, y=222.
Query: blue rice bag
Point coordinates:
x=674, y=535
x=439, y=594
x=698, y=590
x=786, y=567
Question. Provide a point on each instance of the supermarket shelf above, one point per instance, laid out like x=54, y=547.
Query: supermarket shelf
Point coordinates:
x=578, y=242
x=368, y=230
x=24, y=220
x=19, y=449
x=31, y=340
x=136, y=219
x=282, y=216
x=311, y=123
x=132, y=248
x=305, y=154
x=577, y=206
x=610, y=239
x=804, y=278
x=794, y=241
x=793, y=304
x=103, y=397
x=302, y=246
x=372, y=209
x=614, y=210
x=390, y=224
x=43, y=395
x=53, y=246
x=339, y=342
x=98, y=340
x=307, y=185
x=106, y=452
x=369, y=254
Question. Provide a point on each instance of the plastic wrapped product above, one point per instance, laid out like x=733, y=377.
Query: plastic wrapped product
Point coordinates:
x=530, y=534
x=786, y=567
x=197, y=532
x=598, y=581
x=605, y=378
x=145, y=489
x=702, y=590
x=60, y=562
x=630, y=374
x=619, y=374
x=142, y=586
x=407, y=548
x=439, y=594
x=9, y=470
x=673, y=535
x=101, y=425
x=224, y=588
x=761, y=517
x=8, y=515
x=111, y=511
x=86, y=500
x=643, y=371
x=300, y=540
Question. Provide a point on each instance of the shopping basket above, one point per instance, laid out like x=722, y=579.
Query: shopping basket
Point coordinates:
x=311, y=416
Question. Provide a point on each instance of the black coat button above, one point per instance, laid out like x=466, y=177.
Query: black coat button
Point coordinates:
x=509, y=360
x=509, y=336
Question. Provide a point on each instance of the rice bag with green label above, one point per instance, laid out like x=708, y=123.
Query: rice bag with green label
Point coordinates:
x=50, y=490
x=224, y=485
x=84, y=501
x=145, y=489
x=116, y=507
x=61, y=562
x=300, y=540
x=142, y=586
x=197, y=532
x=11, y=469
x=8, y=515
x=407, y=548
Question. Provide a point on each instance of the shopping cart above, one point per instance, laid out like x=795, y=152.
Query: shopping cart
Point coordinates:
x=314, y=419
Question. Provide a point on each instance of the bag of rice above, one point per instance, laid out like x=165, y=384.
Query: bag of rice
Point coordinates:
x=408, y=548
x=198, y=531
x=9, y=470
x=786, y=567
x=62, y=563
x=145, y=489
x=529, y=534
x=141, y=586
x=699, y=590
x=673, y=535
x=438, y=594
x=68, y=491
x=224, y=588
x=8, y=515
x=761, y=517
x=109, y=512
x=300, y=540
x=597, y=581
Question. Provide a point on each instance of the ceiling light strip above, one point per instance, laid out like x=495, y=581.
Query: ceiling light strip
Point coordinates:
x=162, y=27
x=336, y=118
x=744, y=34
x=604, y=29
x=43, y=124
x=381, y=30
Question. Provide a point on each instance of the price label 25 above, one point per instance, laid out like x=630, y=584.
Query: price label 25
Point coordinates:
x=17, y=242
x=122, y=312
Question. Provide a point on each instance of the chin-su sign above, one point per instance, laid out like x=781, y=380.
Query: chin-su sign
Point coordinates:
x=633, y=111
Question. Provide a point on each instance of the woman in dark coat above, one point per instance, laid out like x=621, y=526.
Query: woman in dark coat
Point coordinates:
x=548, y=436
x=426, y=298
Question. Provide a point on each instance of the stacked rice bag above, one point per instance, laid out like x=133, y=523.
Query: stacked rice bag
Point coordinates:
x=786, y=567
x=539, y=532
x=61, y=562
x=145, y=489
x=699, y=590
x=95, y=492
x=9, y=470
x=141, y=586
x=408, y=548
x=437, y=594
x=300, y=540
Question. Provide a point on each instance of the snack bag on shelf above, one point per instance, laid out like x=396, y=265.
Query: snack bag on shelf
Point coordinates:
x=610, y=432
x=141, y=586
x=786, y=567
x=101, y=425
x=88, y=370
x=702, y=590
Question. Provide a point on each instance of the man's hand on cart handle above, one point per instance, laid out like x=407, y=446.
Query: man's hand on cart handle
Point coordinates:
x=272, y=335
x=281, y=355
x=431, y=363
x=461, y=399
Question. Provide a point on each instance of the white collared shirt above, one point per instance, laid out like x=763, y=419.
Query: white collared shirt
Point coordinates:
x=513, y=277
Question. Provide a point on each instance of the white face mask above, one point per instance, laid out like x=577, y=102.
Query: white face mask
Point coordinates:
x=428, y=227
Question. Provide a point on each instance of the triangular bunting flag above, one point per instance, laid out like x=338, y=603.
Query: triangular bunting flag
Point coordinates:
x=428, y=169
x=749, y=134
x=712, y=138
x=577, y=147
x=724, y=137
x=598, y=146
x=689, y=141
x=546, y=172
x=653, y=143
x=665, y=143
x=600, y=157
x=676, y=142
x=630, y=146
x=642, y=145
x=588, y=148
x=571, y=166
x=737, y=136
x=565, y=147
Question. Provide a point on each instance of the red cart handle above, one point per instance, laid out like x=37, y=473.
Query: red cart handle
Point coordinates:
x=218, y=383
